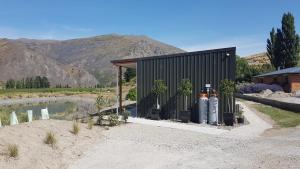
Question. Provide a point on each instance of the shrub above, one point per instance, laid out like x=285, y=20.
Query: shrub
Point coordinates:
x=125, y=115
x=113, y=120
x=13, y=150
x=75, y=128
x=131, y=94
x=23, y=117
x=257, y=88
x=50, y=139
x=90, y=123
x=5, y=118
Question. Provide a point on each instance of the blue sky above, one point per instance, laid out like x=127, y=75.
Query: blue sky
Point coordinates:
x=190, y=25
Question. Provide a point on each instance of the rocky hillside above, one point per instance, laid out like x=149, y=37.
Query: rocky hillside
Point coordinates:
x=76, y=62
x=257, y=59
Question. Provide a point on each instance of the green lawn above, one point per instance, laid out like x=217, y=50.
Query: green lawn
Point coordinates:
x=282, y=118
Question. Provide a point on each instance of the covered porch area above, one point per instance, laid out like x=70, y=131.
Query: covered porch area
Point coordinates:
x=121, y=65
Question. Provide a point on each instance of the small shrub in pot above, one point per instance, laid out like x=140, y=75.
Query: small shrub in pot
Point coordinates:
x=227, y=88
x=185, y=90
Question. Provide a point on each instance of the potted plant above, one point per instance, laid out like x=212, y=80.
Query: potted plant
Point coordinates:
x=227, y=88
x=158, y=89
x=240, y=117
x=185, y=90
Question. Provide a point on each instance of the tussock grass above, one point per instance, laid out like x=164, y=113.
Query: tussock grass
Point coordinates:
x=50, y=139
x=75, y=128
x=90, y=123
x=283, y=118
x=13, y=150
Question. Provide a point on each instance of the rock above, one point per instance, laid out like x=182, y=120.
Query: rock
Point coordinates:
x=265, y=93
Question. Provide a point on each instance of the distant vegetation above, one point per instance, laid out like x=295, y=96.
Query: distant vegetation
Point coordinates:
x=131, y=94
x=245, y=72
x=283, y=46
x=129, y=74
x=28, y=83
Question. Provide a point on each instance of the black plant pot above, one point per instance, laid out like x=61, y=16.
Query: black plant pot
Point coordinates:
x=185, y=116
x=228, y=119
x=155, y=114
x=240, y=119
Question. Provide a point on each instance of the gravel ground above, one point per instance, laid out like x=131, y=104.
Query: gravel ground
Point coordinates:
x=136, y=146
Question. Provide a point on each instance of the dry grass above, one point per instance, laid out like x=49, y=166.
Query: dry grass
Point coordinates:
x=50, y=139
x=75, y=128
x=90, y=123
x=13, y=150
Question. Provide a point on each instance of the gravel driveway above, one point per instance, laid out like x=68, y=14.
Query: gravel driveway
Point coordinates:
x=136, y=146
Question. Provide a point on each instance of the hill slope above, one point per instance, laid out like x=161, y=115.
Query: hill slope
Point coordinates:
x=77, y=62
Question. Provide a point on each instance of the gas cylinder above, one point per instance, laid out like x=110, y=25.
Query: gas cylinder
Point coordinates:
x=203, y=108
x=213, y=109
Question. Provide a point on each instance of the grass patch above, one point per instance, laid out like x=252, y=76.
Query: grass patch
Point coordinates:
x=13, y=150
x=283, y=118
x=75, y=128
x=90, y=123
x=50, y=139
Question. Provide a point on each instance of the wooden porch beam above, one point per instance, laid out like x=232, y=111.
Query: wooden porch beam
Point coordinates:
x=120, y=90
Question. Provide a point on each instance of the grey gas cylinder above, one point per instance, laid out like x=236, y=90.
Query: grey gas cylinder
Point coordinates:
x=203, y=109
x=213, y=110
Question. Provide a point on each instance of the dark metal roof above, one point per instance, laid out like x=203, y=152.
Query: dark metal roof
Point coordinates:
x=292, y=70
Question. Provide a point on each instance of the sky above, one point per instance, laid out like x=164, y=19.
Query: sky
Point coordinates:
x=188, y=24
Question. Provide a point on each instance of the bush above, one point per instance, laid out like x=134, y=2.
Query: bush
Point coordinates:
x=131, y=94
x=23, y=117
x=257, y=88
x=125, y=115
x=75, y=128
x=113, y=120
x=13, y=150
x=5, y=118
x=50, y=139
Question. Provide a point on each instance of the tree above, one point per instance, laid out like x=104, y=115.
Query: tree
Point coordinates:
x=227, y=88
x=45, y=82
x=290, y=41
x=158, y=89
x=10, y=84
x=283, y=46
x=185, y=89
x=38, y=82
x=242, y=70
x=129, y=74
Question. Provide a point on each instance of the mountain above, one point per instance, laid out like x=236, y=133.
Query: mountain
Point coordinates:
x=76, y=62
x=257, y=59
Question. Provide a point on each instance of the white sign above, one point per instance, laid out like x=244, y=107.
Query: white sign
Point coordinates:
x=207, y=85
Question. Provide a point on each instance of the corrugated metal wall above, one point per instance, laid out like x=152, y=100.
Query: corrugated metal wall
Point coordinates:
x=204, y=67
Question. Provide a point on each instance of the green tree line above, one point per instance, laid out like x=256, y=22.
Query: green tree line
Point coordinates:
x=28, y=83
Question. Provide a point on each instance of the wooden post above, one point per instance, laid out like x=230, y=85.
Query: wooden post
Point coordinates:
x=120, y=90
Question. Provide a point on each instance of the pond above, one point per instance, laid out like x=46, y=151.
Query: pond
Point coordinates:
x=63, y=110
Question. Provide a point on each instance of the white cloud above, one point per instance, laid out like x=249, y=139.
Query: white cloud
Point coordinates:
x=245, y=46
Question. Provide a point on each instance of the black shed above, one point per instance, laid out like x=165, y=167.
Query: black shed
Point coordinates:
x=201, y=67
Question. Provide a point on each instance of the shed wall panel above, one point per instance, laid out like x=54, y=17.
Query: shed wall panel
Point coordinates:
x=204, y=67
